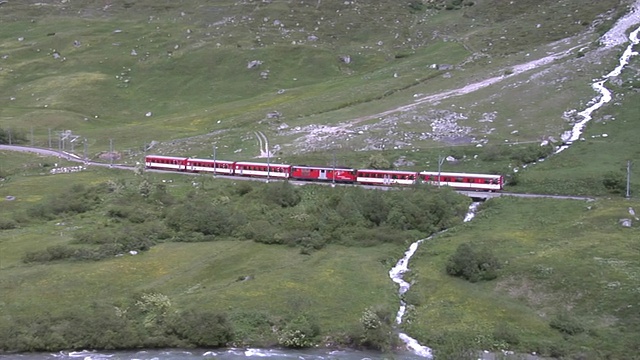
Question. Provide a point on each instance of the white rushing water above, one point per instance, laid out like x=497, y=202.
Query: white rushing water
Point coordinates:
x=396, y=274
x=614, y=37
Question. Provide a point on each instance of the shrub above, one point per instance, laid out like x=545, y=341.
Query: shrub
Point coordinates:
x=52, y=253
x=8, y=224
x=567, y=324
x=455, y=346
x=505, y=333
x=300, y=332
x=243, y=188
x=416, y=6
x=377, y=161
x=201, y=328
x=614, y=182
x=377, y=329
x=253, y=327
x=283, y=194
x=75, y=200
x=203, y=217
x=472, y=264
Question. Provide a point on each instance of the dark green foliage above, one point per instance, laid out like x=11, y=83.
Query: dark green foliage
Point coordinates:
x=52, y=253
x=299, y=332
x=99, y=328
x=78, y=199
x=454, y=346
x=373, y=207
x=377, y=331
x=11, y=136
x=254, y=328
x=283, y=194
x=472, y=264
x=615, y=182
x=204, y=217
x=506, y=334
x=111, y=241
x=378, y=161
x=276, y=213
x=518, y=154
x=201, y=328
x=243, y=188
x=7, y=224
x=416, y=6
x=566, y=324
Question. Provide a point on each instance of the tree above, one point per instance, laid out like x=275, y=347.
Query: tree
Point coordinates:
x=379, y=162
x=614, y=182
x=472, y=264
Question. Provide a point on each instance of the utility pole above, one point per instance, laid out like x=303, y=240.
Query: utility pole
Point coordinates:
x=628, y=178
x=9, y=132
x=268, y=164
x=440, y=162
x=32, y=136
x=85, y=151
x=214, y=160
x=49, y=138
x=333, y=181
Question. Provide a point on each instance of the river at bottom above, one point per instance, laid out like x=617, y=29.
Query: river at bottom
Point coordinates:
x=220, y=354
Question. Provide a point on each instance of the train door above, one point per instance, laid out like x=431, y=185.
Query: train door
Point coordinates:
x=322, y=175
x=386, y=179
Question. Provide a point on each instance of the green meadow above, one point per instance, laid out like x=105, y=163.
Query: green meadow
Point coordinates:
x=167, y=260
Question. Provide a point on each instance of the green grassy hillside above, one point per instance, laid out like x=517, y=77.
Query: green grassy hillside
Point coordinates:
x=484, y=81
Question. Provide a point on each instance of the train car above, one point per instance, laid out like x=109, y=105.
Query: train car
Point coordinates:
x=386, y=177
x=255, y=169
x=210, y=166
x=463, y=181
x=319, y=173
x=165, y=162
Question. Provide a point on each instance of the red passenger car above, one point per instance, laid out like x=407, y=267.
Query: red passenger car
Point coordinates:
x=464, y=181
x=280, y=171
x=165, y=162
x=211, y=166
x=319, y=173
x=386, y=177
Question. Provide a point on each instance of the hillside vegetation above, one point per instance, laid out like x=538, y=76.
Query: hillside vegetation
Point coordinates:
x=218, y=262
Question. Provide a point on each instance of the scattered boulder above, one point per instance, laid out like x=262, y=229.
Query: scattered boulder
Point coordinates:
x=273, y=115
x=625, y=222
x=254, y=63
x=345, y=59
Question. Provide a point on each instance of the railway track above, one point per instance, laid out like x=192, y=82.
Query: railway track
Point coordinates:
x=476, y=195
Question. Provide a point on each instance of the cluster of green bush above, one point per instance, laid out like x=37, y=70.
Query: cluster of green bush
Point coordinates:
x=518, y=155
x=473, y=264
x=416, y=6
x=11, y=136
x=308, y=217
x=151, y=320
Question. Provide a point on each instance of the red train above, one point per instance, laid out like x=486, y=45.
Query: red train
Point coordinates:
x=462, y=181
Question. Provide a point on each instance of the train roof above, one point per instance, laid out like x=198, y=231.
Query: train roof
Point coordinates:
x=211, y=160
x=321, y=167
x=260, y=163
x=444, y=173
x=166, y=157
x=388, y=171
